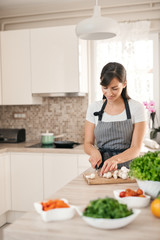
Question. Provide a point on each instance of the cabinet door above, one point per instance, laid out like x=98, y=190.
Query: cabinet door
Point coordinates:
x=55, y=60
x=26, y=180
x=16, y=72
x=0, y=75
x=4, y=183
x=83, y=163
x=59, y=169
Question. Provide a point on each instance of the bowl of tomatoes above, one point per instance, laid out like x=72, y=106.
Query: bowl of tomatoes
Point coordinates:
x=133, y=198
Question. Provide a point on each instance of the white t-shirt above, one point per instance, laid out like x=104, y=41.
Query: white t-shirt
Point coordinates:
x=137, y=110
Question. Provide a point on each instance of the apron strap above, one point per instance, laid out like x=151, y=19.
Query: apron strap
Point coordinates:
x=128, y=113
x=100, y=113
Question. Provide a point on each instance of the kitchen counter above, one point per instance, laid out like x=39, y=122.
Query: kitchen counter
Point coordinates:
x=31, y=226
x=24, y=147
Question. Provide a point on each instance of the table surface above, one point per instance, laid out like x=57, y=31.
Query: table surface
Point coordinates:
x=78, y=192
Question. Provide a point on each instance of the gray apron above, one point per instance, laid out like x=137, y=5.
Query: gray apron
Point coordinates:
x=113, y=138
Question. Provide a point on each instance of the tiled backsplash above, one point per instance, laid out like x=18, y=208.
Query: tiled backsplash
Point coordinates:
x=58, y=115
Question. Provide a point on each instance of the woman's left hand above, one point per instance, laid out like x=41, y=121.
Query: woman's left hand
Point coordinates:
x=109, y=165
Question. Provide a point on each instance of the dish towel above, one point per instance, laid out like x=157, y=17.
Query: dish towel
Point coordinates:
x=151, y=143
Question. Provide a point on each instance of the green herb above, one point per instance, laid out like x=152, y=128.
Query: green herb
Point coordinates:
x=146, y=167
x=107, y=208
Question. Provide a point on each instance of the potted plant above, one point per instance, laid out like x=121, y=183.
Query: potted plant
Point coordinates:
x=154, y=132
x=146, y=170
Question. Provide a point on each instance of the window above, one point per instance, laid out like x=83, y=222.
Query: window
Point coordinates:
x=139, y=57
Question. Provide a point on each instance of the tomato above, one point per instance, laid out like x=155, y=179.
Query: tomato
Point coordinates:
x=139, y=191
x=128, y=190
x=141, y=195
x=122, y=194
x=155, y=207
x=134, y=194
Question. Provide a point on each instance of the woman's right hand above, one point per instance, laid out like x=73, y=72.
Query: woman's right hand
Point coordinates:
x=95, y=158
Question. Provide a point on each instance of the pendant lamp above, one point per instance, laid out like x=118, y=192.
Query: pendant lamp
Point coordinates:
x=97, y=27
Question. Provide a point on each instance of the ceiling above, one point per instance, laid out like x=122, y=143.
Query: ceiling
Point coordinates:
x=11, y=7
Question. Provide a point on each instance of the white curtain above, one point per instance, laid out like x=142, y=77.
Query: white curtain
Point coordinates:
x=134, y=50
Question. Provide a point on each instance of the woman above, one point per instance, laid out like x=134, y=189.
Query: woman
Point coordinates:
x=117, y=123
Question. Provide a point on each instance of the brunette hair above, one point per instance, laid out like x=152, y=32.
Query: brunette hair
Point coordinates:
x=114, y=70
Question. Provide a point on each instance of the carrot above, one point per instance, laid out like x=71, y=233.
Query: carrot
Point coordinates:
x=52, y=204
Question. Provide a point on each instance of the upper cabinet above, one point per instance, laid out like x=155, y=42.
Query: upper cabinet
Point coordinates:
x=57, y=61
x=16, y=68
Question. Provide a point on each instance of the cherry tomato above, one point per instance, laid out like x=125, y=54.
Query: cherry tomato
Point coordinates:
x=134, y=194
x=128, y=190
x=141, y=195
x=122, y=194
x=139, y=191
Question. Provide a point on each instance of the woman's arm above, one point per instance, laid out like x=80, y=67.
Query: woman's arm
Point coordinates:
x=129, y=154
x=89, y=148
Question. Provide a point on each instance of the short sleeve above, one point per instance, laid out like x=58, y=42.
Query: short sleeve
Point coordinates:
x=90, y=114
x=138, y=111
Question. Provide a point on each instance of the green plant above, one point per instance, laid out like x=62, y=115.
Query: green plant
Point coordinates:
x=146, y=167
x=107, y=208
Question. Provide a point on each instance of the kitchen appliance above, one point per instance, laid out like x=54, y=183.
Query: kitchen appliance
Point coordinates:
x=12, y=135
x=56, y=144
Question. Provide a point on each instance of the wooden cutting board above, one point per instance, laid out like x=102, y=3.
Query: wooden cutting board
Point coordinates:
x=101, y=180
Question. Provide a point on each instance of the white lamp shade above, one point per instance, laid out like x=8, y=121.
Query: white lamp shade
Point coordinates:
x=97, y=27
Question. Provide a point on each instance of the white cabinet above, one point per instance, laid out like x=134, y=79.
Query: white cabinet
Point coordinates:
x=59, y=169
x=26, y=180
x=55, y=61
x=83, y=163
x=16, y=69
x=0, y=75
x=5, y=201
x=37, y=176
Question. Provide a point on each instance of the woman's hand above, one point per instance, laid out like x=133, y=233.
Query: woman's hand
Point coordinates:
x=109, y=165
x=95, y=158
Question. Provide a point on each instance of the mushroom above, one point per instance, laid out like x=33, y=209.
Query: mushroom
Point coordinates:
x=107, y=175
x=91, y=176
x=115, y=174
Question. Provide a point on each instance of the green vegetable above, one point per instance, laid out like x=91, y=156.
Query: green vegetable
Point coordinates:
x=107, y=208
x=146, y=167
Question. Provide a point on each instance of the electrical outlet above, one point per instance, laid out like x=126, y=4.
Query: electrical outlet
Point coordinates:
x=19, y=115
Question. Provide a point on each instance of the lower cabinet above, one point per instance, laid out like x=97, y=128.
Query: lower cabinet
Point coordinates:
x=37, y=176
x=59, y=169
x=83, y=163
x=26, y=180
x=5, y=202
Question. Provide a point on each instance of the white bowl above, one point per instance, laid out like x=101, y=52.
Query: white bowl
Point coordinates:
x=56, y=214
x=132, y=202
x=151, y=188
x=104, y=223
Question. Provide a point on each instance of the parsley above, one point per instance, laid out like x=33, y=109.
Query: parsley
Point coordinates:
x=146, y=167
x=107, y=208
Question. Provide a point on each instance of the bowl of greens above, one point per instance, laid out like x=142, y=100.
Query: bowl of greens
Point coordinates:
x=146, y=170
x=108, y=213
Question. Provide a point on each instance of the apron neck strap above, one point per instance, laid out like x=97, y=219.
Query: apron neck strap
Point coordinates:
x=100, y=113
x=128, y=113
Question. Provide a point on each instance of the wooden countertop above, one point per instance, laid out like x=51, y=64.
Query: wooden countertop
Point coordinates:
x=31, y=226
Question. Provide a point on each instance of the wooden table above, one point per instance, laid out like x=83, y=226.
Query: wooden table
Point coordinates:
x=31, y=226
